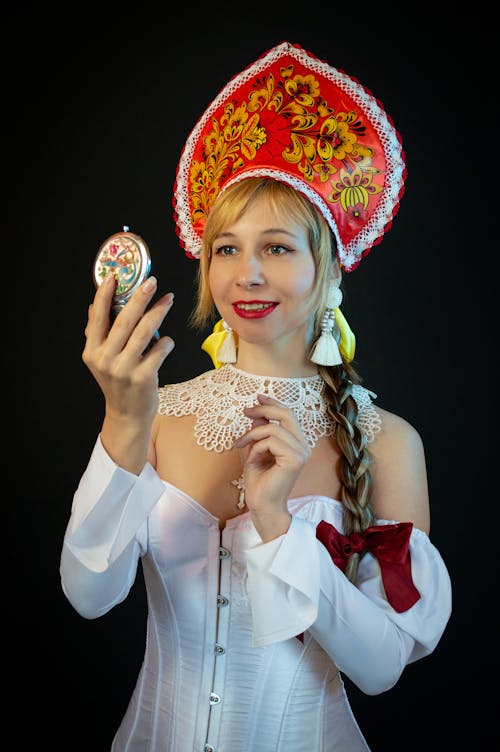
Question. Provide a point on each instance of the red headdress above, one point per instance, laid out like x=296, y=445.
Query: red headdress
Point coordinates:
x=294, y=118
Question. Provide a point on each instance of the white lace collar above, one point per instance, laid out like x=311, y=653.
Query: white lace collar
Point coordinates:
x=218, y=397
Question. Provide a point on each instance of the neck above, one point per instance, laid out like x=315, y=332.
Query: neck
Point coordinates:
x=263, y=361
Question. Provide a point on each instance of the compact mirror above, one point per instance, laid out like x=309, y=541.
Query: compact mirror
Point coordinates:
x=126, y=256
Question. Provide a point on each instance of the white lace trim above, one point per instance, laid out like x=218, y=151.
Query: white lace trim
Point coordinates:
x=369, y=419
x=218, y=397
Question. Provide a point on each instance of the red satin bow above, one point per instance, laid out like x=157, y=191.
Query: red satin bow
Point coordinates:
x=389, y=544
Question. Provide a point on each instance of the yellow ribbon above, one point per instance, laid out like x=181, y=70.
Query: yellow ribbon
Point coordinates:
x=213, y=342
x=347, y=344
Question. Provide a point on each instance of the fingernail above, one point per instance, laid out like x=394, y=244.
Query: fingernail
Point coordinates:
x=149, y=285
x=169, y=298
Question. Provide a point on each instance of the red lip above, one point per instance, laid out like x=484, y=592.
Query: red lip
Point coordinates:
x=256, y=313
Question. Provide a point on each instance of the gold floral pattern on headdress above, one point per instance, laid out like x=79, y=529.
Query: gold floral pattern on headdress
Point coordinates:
x=286, y=119
x=292, y=117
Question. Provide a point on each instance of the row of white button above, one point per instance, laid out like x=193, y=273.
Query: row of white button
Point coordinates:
x=215, y=699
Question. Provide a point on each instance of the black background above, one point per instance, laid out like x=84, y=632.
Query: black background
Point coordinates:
x=97, y=106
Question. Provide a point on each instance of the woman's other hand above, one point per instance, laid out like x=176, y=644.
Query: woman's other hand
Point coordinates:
x=277, y=452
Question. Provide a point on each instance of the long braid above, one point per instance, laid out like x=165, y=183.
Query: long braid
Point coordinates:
x=354, y=464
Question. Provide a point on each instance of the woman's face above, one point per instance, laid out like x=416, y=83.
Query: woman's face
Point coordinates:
x=261, y=277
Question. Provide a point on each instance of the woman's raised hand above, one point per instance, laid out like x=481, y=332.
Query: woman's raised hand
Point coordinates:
x=277, y=452
x=127, y=372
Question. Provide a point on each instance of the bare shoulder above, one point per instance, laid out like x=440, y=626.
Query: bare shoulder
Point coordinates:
x=399, y=474
x=172, y=428
x=395, y=429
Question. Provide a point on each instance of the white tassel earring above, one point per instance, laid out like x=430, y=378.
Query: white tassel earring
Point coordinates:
x=326, y=351
x=227, y=350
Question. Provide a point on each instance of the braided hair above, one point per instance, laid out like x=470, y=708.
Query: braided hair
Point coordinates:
x=354, y=463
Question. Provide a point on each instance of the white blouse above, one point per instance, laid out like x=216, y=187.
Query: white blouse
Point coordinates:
x=224, y=668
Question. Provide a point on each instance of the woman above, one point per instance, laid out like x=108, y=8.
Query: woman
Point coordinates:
x=281, y=519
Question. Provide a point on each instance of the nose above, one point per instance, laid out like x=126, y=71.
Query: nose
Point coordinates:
x=249, y=272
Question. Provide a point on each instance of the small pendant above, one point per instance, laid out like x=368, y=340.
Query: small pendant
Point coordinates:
x=239, y=485
x=241, y=500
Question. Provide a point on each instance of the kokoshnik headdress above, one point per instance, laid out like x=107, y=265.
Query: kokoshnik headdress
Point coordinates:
x=295, y=118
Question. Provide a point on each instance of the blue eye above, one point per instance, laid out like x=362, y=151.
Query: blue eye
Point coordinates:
x=277, y=250
x=225, y=250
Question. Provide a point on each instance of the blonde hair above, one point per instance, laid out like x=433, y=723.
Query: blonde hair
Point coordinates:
x=354, y=462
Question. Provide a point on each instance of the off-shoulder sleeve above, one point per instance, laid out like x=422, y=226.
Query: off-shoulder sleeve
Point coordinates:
x=106, y=533
x=294, y=586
